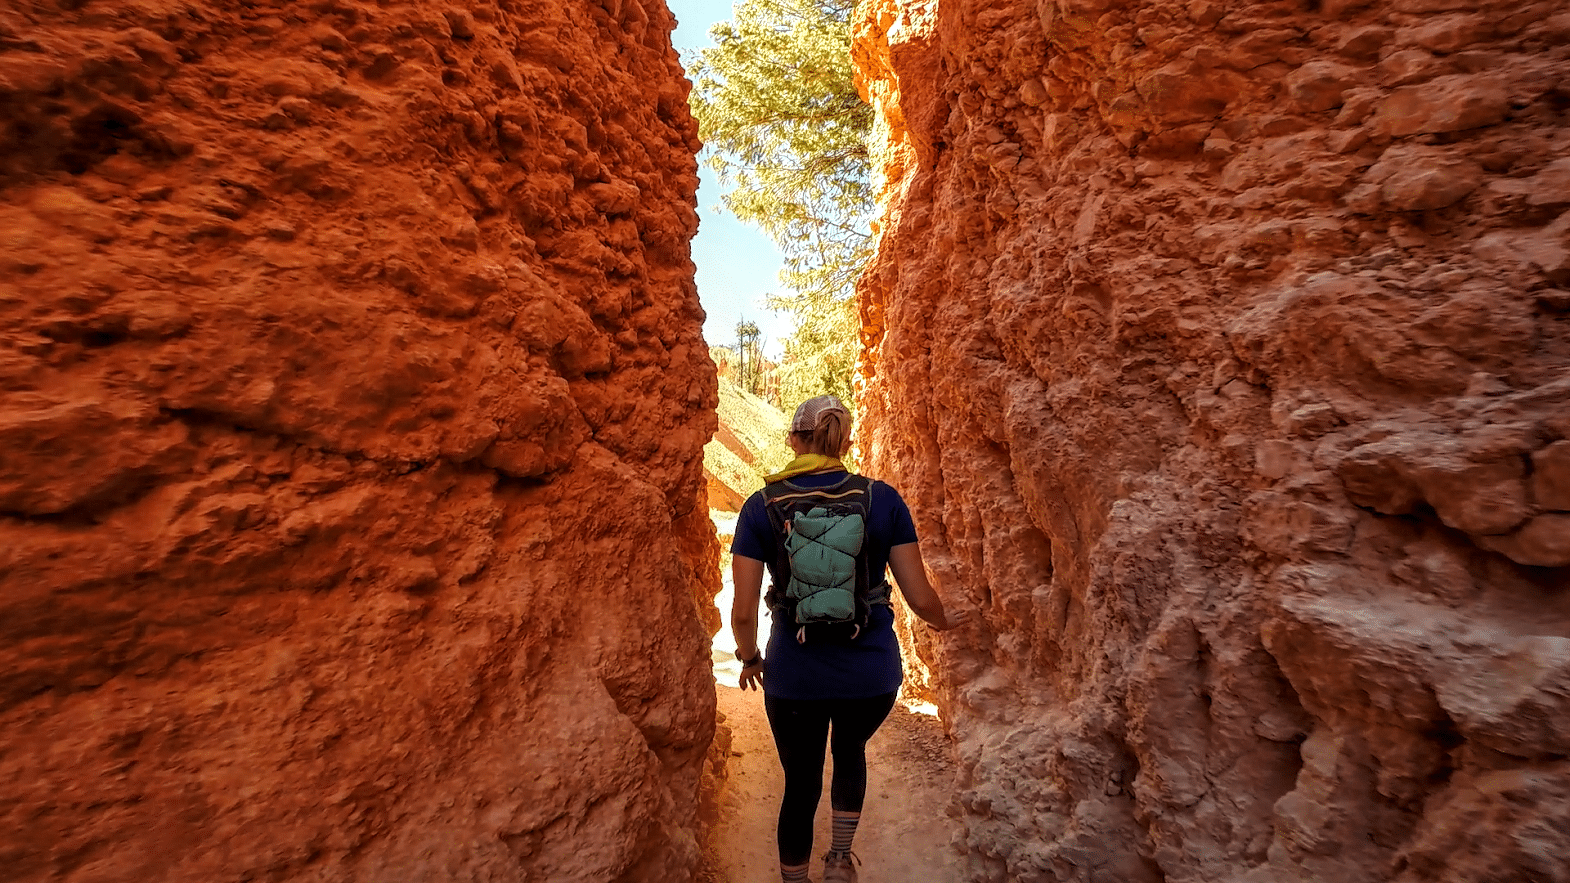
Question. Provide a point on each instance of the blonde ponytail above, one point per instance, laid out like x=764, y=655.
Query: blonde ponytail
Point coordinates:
x=830, y=437
x=821, y=425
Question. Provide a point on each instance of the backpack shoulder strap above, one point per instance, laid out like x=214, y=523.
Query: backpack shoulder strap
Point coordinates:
x=879, y=592
x=787, y=490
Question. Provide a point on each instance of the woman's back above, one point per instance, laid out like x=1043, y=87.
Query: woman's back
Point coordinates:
x=867, y=666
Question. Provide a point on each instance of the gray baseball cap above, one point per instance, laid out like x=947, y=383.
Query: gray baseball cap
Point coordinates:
x=810, y=413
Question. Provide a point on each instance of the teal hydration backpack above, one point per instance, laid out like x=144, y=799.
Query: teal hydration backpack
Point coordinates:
x=820, y=574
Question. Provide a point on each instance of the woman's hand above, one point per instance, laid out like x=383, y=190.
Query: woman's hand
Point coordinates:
x=952, y=619
x=752, y=675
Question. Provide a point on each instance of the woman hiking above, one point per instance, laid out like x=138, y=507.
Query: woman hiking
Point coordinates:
x=833, y=668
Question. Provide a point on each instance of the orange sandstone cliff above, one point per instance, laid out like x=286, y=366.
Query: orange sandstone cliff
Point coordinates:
x=1223, y=351
x=352, y=399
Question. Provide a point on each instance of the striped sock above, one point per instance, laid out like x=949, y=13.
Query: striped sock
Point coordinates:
x=844, y=830
x=794, y=874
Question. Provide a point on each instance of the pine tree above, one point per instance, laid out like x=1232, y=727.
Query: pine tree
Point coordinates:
x=777, y=107
x=749, y=372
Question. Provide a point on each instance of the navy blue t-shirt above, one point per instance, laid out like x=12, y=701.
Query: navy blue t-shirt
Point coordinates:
x=871, y=665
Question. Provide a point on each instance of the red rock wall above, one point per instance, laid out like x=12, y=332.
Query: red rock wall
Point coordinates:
x=1223, y=350
x=350, y=473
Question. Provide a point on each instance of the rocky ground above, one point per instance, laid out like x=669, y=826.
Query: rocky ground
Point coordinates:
x=907, y=833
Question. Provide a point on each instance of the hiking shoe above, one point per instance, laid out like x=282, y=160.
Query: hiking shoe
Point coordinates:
x=837, y=867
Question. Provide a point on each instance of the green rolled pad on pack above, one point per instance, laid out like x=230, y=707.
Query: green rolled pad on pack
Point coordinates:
x=821, y=577
x=828, y=605
x=823, y=549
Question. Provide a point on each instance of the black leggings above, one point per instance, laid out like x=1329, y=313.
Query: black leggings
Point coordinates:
x=801, y=727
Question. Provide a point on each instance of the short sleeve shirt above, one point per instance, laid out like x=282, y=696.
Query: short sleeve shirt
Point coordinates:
x=871, y=665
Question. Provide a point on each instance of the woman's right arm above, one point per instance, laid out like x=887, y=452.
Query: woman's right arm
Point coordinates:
x=747, y=576
x=911, y=575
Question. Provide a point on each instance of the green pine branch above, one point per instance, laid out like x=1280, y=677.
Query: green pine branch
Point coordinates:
x=786, y=132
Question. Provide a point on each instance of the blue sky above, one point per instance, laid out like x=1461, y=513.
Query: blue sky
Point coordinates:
x=737, y=264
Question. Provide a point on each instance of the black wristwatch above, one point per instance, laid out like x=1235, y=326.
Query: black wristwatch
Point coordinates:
x=749, y=663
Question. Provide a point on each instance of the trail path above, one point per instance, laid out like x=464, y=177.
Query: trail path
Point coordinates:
x=905, y=830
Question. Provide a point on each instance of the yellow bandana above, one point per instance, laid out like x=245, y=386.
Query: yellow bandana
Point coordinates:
x=807, y=463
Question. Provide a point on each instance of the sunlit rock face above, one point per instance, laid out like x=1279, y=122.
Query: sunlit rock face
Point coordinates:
x=1223, y=350
x=350, y=474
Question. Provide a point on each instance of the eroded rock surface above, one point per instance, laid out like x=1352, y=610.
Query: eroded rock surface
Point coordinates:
x=351, y=518
x=1223, y=350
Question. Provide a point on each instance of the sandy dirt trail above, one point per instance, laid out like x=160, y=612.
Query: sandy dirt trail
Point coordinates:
x=905, y=831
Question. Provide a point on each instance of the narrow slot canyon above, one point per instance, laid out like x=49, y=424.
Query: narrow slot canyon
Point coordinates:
x=354, y=515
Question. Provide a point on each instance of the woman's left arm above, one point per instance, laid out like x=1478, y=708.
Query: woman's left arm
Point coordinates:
x=747, y=575
x=910, y=573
